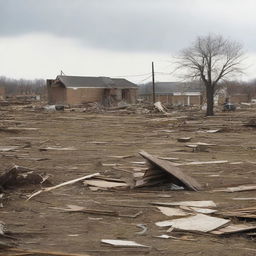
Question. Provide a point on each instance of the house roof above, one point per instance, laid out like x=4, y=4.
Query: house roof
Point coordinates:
x=170, y=88
x=94, y=82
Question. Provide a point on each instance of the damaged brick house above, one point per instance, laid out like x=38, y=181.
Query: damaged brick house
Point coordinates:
x=74, y=90
x=174, y=93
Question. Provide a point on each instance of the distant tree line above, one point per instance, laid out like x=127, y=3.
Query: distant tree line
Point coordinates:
x=23, y=86
x=240, y=87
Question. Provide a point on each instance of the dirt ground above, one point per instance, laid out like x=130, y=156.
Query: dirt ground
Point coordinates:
x=37, y=224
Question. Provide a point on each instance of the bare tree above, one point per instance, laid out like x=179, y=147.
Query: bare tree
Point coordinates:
x=211, y=59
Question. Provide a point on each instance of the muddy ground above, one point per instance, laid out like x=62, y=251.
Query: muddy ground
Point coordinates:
x=37, y=224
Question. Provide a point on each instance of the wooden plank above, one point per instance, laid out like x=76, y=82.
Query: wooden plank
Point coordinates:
x=240, y=188
x=105, y=184
x=208, y=203
x=122, y=243
x=39, y=252
x=234, y=228
x=174, y=172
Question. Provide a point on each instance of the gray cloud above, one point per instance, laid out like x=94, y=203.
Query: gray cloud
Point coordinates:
x=134, y=25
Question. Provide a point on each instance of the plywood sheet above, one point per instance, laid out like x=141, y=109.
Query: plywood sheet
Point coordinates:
x=168, y=211
x=199, y=222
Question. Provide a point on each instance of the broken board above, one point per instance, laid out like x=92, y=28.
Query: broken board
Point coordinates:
x=234, y=228
x=172, y=212
x=122, y=243
x=174, y=173
x=188, y=203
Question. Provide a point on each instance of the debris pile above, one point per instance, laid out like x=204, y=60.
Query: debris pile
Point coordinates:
x=20, y=176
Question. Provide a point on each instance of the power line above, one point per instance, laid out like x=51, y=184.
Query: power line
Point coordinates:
x=132, y=75
x=144, y=79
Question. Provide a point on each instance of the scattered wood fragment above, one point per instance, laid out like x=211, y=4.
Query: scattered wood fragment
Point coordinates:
x=58, y=148
x=76, y=208
x=234, y=228
x=240, y=188
x=244, y=198
x=103, y=184
x=121, y=157
x=199, y=222
x=159, y=106
x=211, y=131
x=204, y=163
x=17, y=129
x=187, y=203
x=168, y=158
x=122, y=243
x=198, y=209
x=174, y=174
x=63, y=184
x=2, y=228
x=39, y=252
x=200, y=146
x=172, y=212
x=8, y=148
x=184, y=139
x=245, y=213
x=182, y=238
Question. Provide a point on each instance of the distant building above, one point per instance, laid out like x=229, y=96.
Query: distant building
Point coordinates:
x=174, y=93
x=75, y=90
x=2, y=93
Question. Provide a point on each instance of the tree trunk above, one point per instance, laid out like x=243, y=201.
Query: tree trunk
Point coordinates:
x=210, y=100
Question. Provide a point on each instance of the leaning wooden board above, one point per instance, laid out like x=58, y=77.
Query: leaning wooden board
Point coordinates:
x=175, y=172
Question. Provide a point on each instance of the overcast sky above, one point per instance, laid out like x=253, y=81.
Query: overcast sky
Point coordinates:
x=38, y=38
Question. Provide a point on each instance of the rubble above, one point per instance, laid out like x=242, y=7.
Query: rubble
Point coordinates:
x=20, y=176
x=93, y=139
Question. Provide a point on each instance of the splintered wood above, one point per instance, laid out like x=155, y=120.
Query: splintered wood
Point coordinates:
x=245, y=213
x=62, y=185
x=164, y=171
x=234, y=228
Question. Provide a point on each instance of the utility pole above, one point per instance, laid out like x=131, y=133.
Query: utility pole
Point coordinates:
x=153, y=83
